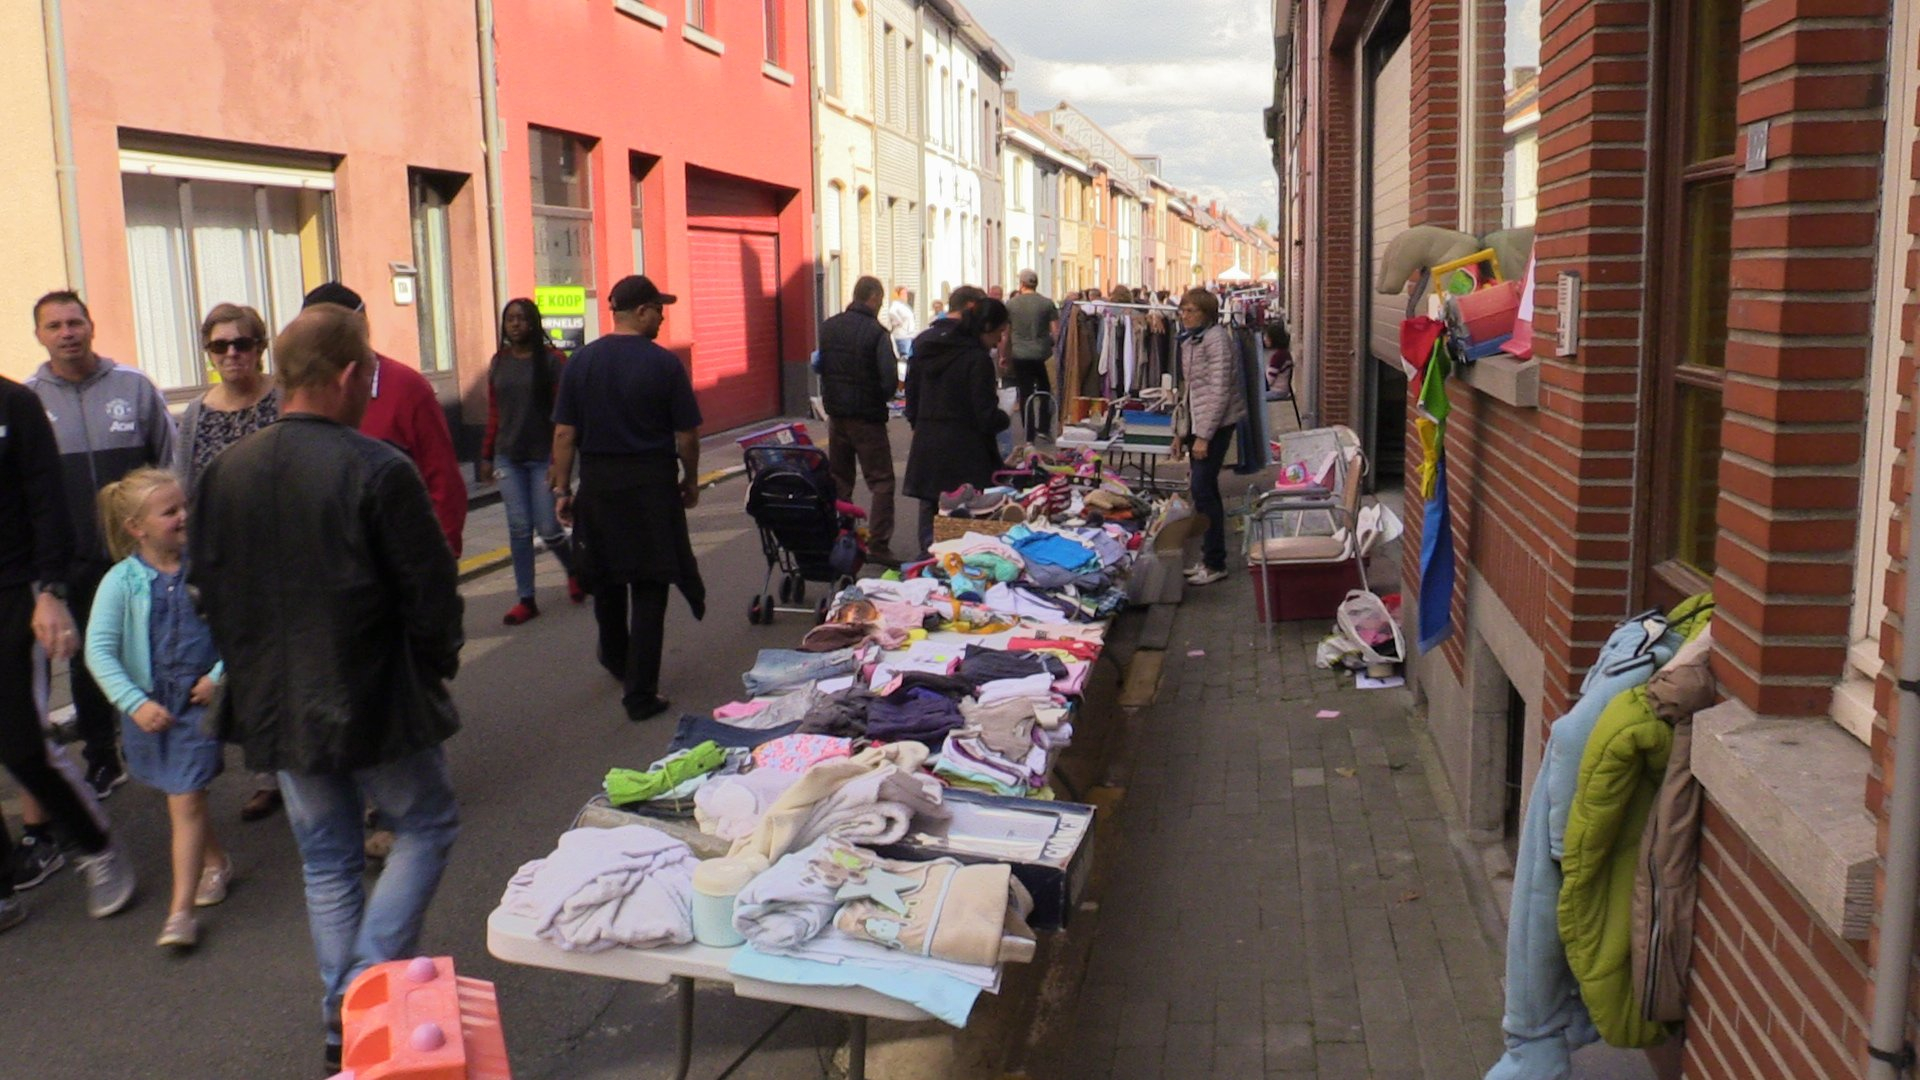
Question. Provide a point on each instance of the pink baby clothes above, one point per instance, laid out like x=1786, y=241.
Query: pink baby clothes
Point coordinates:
x=734, y=710
x=795, y=753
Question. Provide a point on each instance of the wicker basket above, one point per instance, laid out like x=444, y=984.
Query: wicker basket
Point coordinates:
x=953, y=528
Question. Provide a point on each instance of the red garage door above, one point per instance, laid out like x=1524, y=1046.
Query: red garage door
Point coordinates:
x=735, y=250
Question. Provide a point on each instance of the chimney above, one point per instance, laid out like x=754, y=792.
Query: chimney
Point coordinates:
x=1013, y=100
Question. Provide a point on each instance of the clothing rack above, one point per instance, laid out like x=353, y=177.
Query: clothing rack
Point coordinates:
x=1116, y=304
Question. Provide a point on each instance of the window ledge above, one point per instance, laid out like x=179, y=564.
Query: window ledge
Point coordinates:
x=1795, y=788
x=642, y=12
x=1504, y=378
x=703, y=39
x=777, y=73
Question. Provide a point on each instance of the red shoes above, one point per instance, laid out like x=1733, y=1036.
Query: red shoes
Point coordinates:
x=575, y=591
x=521, y=612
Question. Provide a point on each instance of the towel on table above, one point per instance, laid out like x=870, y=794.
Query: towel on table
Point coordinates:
x=877, y=774
x=730, y=806
x=794, y=899
x=600, y=888
x=965, y=914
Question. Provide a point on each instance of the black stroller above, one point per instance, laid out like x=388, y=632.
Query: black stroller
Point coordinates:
x=804, y=533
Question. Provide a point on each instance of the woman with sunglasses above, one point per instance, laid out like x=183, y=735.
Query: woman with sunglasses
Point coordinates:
x=241, y=403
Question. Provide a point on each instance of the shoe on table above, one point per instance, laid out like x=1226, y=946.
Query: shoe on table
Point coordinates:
x=524, y=611
x=34, y=861
x=13, y=912
x=182, y=931
x=260, y=804
x=1207, y=576
x=648, y=709
x=103, y=778
x=214, y=882
x=109, y=881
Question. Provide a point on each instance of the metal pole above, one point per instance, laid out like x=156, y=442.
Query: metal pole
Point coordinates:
x=66, y=176
x=1890, y=1053
x=857, y=1047
x=684, y=985
x=490, y=140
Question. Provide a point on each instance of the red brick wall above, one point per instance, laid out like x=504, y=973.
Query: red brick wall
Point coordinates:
x=1773, y=994
x=1799, y=323
x=1339, y=198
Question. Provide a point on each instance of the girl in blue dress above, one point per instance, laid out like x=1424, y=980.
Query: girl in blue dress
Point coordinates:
x=154, y=659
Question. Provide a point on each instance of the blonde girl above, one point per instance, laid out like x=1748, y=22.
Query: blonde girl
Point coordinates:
x=154, y=660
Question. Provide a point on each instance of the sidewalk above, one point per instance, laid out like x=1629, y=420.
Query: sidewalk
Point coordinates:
x=1286, y=902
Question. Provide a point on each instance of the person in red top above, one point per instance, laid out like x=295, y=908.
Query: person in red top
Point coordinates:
x=406, y=412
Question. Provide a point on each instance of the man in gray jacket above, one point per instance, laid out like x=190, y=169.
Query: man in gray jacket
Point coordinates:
x=109, y=420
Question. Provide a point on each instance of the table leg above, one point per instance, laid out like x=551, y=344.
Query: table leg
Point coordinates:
x=684, y=986
x=857, y=1048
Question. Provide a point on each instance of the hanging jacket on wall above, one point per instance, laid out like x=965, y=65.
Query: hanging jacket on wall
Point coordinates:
x=1667, y=881
x=1545, y=1020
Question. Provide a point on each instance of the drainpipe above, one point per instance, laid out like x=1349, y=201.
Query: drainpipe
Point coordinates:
x=490, y=138
x=1891, y=1055
x=66, y=178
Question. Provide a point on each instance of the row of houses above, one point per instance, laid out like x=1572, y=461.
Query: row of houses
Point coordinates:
x=440, y=156
x=1723, y=230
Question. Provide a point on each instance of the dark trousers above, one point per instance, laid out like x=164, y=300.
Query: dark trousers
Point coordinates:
x=633, y=627
x=1203, y=481
x=864, y=442
x=1029, y=376
x=94, y=716
x=23, y=743
x=929, y=509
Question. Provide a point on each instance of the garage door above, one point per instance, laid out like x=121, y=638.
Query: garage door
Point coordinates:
x=735, y=293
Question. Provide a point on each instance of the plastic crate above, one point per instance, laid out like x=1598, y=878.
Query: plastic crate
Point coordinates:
x=1299, y=591
x=794, y=434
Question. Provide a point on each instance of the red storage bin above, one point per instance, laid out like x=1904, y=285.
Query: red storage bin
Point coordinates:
x=1297, y=591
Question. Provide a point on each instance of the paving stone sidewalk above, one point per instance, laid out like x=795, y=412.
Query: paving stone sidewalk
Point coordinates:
x=1286, y=902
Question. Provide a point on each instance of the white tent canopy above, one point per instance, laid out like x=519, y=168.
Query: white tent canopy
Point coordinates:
x=1271, y=275
x=1235, y=274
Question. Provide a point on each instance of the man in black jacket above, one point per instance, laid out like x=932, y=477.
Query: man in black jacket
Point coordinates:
x=332, y=595
x=36, y=556
x=858, y=375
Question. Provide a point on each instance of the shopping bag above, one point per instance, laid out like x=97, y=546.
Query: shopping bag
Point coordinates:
x=1364, y=620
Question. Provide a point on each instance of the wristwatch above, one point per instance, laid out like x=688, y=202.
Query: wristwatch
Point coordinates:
x=55, y=589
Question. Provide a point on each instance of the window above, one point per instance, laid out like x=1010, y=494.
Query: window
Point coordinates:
x=1502, y=118
x=830, y=47
x=863, y=209
x=770, y=21
x=638, y=168
x=431, y=195
x=890, y=100
x=697, y=14
x=562, y=210
x=202, y=232
x=1694, y=260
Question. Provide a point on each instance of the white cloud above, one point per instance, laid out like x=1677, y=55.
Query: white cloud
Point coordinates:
x=1236, y=84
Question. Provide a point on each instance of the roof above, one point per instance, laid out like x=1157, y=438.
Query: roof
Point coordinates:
x=1045, y=140
x=976, y=36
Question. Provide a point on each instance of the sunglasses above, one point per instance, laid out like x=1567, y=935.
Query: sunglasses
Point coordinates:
x=219, y=346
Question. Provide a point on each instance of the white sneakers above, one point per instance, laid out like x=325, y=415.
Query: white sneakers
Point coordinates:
x=109, y=881
x=1199, y=574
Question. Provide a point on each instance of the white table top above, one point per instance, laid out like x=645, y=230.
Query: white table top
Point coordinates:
x=1122, y=446
x=511, y=938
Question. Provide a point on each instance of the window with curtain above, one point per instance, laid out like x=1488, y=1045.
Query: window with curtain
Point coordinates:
x=194, y=242
x=770, y=22
x=432, y=196
x=562, y=209
x=1502, y=118
x=1694, y=260
x=830, y=46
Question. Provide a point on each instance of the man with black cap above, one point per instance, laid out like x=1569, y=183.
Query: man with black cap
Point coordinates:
x=626, y=407
x=406, y=412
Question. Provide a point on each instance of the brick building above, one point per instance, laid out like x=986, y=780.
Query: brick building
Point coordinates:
x=1733, y=185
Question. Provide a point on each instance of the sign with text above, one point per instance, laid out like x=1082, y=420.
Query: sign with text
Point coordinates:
x=563, y=315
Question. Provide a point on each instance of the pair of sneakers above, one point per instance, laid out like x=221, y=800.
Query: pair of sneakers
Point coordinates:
x=110, y=886
x=1202, y=574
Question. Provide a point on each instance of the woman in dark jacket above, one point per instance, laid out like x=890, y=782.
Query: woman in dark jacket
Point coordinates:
x=518, y=444
x=956, y=413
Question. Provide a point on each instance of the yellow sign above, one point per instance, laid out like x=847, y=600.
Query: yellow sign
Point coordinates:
x=560, y=299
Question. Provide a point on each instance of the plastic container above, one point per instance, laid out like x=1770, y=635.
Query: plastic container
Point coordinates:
x=416, y=1020
x=715, y=883
x=1297, y=591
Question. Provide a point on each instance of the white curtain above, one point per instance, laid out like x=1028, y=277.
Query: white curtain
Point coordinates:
x=226, y=246
x=283, y=255
x=156, y=257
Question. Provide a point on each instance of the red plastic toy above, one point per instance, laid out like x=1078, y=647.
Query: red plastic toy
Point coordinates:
x=417, y=1020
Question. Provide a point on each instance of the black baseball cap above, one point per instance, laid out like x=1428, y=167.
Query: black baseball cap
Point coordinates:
x=636, y=290
x=333, y=292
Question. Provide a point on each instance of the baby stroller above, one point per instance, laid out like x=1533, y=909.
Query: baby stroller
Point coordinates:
x=805, y=532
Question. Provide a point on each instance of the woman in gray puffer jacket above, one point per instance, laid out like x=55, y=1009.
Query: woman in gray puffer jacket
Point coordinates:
x=1215, y=402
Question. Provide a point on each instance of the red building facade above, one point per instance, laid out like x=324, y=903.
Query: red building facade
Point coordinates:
x=671, y=139
x=1733, y=184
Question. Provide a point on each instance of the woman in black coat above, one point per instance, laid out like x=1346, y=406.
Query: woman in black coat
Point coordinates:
x=955, y=409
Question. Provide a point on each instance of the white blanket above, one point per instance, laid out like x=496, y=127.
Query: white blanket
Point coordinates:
x=600, y=888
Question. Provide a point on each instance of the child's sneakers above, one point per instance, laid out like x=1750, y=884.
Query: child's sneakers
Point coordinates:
x=180, y=932
x=214, y=881
x=110, y=881
x=35, y=860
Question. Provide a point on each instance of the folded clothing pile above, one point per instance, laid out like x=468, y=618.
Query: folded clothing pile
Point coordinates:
x=600, y=888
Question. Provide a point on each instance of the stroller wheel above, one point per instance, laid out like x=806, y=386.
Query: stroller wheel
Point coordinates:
x=799, y=589
x=766, y=609
x=754, y=611
x=820, y=611
x=786, y=588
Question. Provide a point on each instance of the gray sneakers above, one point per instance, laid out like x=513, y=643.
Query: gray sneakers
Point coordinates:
x=13, y=912
x=109, y=881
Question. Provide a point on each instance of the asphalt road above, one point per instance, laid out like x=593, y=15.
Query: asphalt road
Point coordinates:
x=96, y=1000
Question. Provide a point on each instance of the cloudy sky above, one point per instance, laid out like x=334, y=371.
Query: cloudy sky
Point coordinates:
x=1186, y=80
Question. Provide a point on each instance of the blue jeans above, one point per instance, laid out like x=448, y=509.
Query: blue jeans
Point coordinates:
x=529, y=502
x=352, y=932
